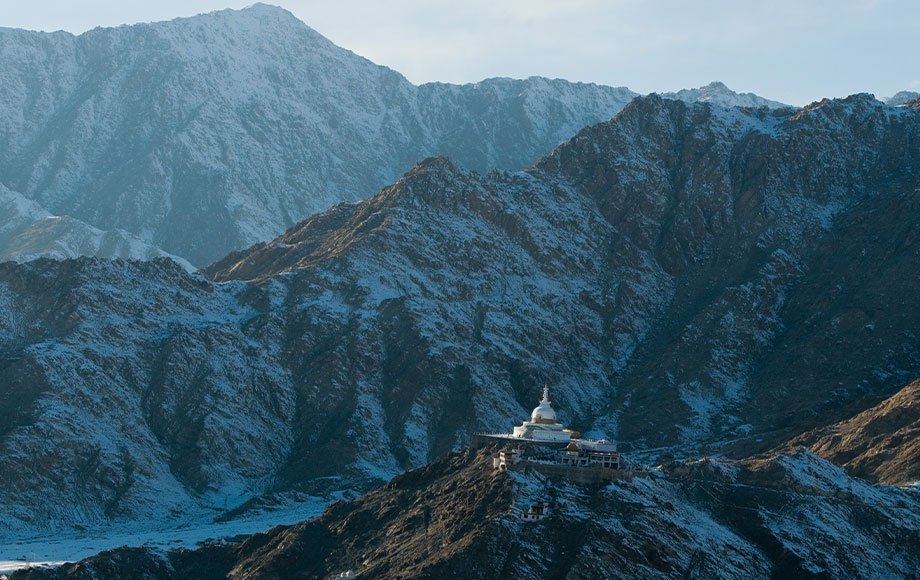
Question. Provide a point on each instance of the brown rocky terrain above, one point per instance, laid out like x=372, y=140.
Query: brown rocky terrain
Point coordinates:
x=881, y=444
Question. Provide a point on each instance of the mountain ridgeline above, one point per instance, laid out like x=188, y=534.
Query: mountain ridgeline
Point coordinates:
x=688, y=277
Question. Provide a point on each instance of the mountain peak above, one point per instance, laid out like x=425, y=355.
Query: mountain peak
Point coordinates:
x=255, y=9
x=901, y=98
x=262, y=10
x=255, y=20
x=260, y=114
x=857, y=101
x=718, y=93
x=263, y=7
x=717, y=86
x=439, y=165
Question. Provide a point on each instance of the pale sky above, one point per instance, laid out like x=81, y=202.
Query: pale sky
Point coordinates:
x=795, y=51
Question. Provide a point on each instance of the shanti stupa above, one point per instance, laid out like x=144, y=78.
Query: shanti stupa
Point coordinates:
x=543, y=425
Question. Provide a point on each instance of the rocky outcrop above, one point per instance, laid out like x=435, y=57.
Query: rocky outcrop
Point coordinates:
x=130, y=391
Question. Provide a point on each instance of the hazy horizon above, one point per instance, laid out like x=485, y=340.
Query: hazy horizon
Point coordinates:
x=786, y=51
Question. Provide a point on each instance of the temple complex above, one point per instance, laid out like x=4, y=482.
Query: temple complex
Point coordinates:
x=546, y=446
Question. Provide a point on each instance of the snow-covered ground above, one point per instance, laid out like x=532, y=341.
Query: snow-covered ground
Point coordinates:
x=57, y=549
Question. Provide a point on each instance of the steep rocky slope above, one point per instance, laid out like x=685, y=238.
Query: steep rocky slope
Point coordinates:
x=207, y=134
x=879, y=444
x=787, y=516
x=684, y=276
x=129, y=389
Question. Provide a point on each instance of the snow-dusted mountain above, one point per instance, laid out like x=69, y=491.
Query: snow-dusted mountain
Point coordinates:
x=901, y=98
x=28, y=231
x=718, y=94
x=687, y=278
x=207, y=134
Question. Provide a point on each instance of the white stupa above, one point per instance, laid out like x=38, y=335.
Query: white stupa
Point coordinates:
x=543, y=425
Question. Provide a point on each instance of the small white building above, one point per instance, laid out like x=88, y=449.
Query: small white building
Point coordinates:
x=537, y=512
x=506, y=458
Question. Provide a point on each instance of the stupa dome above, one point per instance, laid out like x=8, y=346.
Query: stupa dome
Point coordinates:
x=544, y=412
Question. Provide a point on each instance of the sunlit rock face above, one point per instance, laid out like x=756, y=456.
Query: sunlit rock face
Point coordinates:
x=881, y=444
